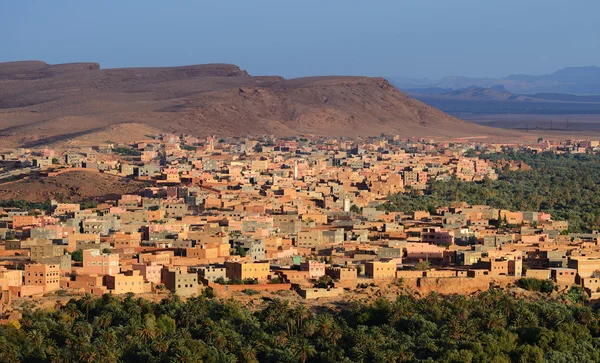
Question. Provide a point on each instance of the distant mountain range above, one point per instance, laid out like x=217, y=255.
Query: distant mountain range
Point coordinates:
x=572, y=80
x=498, y=93
x=497, y=100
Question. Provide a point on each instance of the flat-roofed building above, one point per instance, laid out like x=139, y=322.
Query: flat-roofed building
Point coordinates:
x=38, y=274
x=242, y=271
x=179, y=281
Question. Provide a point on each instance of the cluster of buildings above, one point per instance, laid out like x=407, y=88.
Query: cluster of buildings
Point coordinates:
x=277, y=213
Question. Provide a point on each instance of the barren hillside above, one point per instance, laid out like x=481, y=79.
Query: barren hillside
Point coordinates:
x=44, y=104
x=73, y=186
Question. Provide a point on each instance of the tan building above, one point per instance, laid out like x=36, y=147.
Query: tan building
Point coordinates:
x=46, y=251
x=180, y=282
x=310, y=239
x=585, y=266
x=10, y=278
x=76, y=239
x=341, y=273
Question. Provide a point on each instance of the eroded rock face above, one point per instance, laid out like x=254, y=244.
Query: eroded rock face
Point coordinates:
x=39, y=101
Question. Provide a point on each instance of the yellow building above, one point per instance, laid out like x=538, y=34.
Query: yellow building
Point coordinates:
x=131, y=281
x=380, y=270
x=241, y=271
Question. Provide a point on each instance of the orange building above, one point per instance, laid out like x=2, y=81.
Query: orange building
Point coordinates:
x=165, y=258
x=19, y=222
x=127, y=240
x=47, y=276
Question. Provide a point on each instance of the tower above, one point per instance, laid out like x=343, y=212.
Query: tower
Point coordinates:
x=346, y=205
x=295, y=170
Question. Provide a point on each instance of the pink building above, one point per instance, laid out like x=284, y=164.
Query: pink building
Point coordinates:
x=96, y=262
x=424, y=251
x=151, y=271
x=315, y=269
x=437, y=235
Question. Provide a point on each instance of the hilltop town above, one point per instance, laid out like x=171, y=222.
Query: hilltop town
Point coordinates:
x=309, y=216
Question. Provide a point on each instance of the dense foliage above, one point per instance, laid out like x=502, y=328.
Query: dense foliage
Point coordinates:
x=490, y=327
x=25, y=204
x=565, y=185
x=126, y=151
x=532, y=284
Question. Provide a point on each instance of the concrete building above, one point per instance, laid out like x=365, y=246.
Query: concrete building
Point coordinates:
x=180, y=282
x=212, y=272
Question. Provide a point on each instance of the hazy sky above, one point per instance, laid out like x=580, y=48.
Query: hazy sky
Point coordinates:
x=410, y=38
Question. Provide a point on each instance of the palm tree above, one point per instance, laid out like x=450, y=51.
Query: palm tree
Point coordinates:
x=103, y=320
x=302, y=313
x=86, y=302
x=303, y=349
x=161, y=345
x=145, y=334
x=72, y=310
x=90, y=355
x=247, y=354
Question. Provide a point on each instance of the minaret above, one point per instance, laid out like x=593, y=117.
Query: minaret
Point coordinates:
x=211, y=144
x=295, y=170
x=346, y=205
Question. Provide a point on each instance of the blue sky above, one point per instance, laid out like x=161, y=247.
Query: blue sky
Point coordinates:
x=407, y=38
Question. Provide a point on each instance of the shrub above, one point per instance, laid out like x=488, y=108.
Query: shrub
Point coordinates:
x=532, y=284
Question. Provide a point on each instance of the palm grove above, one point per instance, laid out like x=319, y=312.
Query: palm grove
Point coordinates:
x=566, y=186
x=490, y=327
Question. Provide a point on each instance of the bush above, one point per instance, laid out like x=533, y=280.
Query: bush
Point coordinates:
x=531, y=284
x=77, y=256
x=220, y=281
x=126, y=151
x=250, y=292
x=324, y=282
x=423, y=265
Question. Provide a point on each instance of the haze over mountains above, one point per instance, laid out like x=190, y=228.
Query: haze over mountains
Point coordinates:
x=572, y=80
x=471, y=98
x=44, y=104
